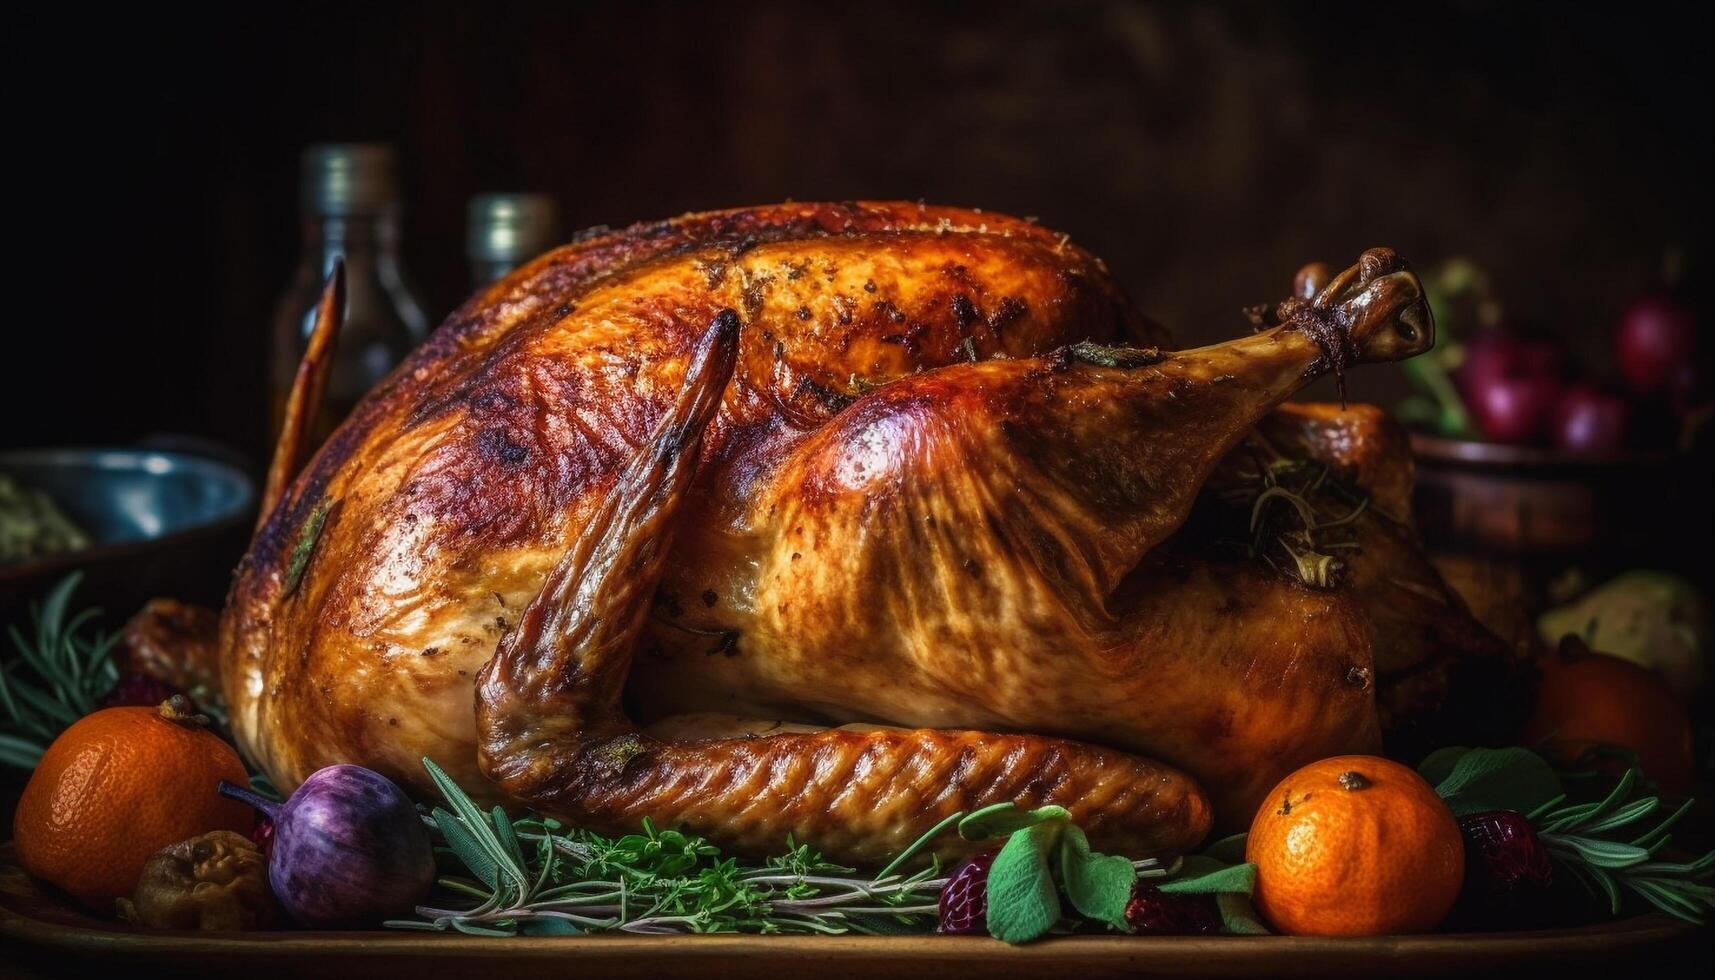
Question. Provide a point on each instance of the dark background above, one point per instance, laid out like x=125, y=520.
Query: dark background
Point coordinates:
x=1205, y=152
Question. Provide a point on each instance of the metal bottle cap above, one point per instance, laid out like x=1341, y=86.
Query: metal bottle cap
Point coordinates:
x=510, y=228
x=348, y=178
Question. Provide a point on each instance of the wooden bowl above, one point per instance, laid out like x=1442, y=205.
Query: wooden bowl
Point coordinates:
x=1527, y=502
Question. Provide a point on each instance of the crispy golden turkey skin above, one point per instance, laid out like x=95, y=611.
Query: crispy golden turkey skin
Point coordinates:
x=824, y=519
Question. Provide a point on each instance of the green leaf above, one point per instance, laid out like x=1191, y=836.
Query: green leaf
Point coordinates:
x=1669, y=900
x=507, y=837
x=466, y=849
x=910, y=852
x=1498, y=779
x=1238, y=916
x=1600, y=853
x=1206, y=876
x=1633, y=811
x=548, y=926
x=1228, y=850
x=1605, y=881
x=474, y=929
x=1650, y=838
x=1023, y=903
x=1002, y=819
x=1438, y=765
x=481, y=831
x=1099, y=885
x=304, y=548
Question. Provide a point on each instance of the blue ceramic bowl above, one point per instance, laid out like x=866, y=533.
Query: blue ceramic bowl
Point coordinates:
x=162, y=523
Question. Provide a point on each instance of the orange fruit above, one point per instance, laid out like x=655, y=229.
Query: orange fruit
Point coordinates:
x=117, y=786
x=1594, y=699
x=1355, y=846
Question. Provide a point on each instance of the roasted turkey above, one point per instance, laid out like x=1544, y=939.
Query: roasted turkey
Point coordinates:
x=832, y=520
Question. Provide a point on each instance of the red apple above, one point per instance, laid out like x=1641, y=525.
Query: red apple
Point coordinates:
x=1589, y=420
x=1655, y=336
x=1511, y=380
x=1515, y=410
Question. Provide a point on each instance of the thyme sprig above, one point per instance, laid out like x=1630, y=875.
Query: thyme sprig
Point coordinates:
x=63, y=670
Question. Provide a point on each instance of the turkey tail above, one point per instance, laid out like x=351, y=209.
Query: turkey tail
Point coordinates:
x=305, y=400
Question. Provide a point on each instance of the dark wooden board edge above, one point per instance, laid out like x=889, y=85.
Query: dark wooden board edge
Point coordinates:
x=54, y=937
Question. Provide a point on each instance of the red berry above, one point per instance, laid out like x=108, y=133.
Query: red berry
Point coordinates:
x=262, y=834
x=139, y=690
x=965, y=899
x=1507, y=870
x=1152, y=912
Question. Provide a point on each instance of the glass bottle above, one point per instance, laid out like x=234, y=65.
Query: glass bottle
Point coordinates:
x=506, y=230
x=349, y=200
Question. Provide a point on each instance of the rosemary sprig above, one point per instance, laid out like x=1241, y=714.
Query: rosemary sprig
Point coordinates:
x=63, y=670
x=1610, y=848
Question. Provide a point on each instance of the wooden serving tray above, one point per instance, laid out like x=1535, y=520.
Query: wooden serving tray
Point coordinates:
x=44, y=936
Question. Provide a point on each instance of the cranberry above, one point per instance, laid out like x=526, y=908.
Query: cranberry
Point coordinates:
x=1153, y=912
x=262, y=835
x=139, y=690
x=1507, y=870
x=965, y=899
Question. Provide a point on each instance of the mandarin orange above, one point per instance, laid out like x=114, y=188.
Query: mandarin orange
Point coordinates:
x=117, y=786
x=1591, y=699
x=1355, y=845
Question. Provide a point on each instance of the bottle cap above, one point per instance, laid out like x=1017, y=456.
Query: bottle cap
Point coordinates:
x=348, y=178
x=510, y=228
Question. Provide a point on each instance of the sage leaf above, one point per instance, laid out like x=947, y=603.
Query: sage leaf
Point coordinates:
x=1438, y=765
x=1229, y=850
x=548, y=926
x=508, y=838
x=1498, y=779
x=1099, y=885
x=1206, y=876
x=465, y=847
x=1023, y=903
x=1003, y=819
x=480, y=830
x=1238, y=916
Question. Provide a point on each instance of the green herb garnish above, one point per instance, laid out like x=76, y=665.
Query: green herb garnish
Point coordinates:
x=62, y=672
x=304, y=548
x=535, y=876
x=1300, y=516
x=1609, y=845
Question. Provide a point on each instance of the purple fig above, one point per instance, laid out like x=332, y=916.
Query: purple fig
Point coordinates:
x=349, y=849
